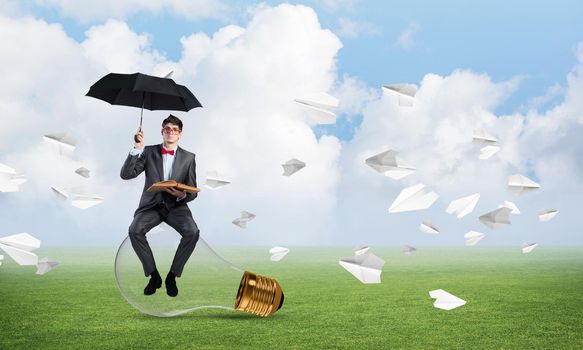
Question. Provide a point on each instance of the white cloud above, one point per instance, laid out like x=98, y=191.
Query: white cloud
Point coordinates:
x=87, y=10
x=407, y=38
x=351, y=29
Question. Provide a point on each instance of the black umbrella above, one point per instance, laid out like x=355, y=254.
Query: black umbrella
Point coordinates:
x=145, y=91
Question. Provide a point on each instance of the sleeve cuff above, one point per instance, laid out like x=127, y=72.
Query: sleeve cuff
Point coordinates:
x=136, y=152
x=181, y=199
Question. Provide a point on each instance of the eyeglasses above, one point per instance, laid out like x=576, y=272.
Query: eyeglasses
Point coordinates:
x=170, y=130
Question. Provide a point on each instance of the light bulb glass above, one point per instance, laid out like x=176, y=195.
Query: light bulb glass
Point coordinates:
x=207, y=281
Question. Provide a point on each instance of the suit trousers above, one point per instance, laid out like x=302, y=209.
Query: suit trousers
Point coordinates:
x=179, y=218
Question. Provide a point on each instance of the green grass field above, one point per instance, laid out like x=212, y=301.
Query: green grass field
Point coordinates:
x=514, y=301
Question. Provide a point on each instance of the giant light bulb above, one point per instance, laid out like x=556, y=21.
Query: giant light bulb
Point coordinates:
x=208, y=281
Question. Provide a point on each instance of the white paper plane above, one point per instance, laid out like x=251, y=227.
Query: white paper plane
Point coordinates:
x=496, y=218
x=63, y=140
x=19, y=248
x=445, y=300
x=511, y=206
x=361, y=250
x=319, y=107
x=277, y=253
x=10, y=179
x=214, y=180
x=389, y=164
x=428, y=227
x=83, y=172
x=1, y=258
x=483, y=137
x=45, y=265
x=244, y=219
x=519, y=184
x=405, y=93
x=61, y=193
x=547, y=214
x=169, y=74
x=85, y=201
x=488, y=151
x=413, y=198
x=463, y=206
x=366, y=267
x=409, y=250
x=528, y=247
x=292, y=166
x=472, y=238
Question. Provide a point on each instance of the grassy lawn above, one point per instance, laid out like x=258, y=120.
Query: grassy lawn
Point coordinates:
x=531, y=301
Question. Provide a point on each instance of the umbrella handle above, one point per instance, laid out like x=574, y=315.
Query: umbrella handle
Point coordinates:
x=141, y=115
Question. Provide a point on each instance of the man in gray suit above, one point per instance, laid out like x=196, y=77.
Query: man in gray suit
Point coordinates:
x=163, y=162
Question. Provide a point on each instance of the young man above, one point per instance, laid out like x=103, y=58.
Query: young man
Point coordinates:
x=163, y=162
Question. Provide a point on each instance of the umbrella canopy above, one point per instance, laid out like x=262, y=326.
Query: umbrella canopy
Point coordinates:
x=142, y=90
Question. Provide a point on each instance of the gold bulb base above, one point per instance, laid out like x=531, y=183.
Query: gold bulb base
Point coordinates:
x=259, y=295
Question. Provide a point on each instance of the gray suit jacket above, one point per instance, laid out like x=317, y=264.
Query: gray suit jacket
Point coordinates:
x=150, y=161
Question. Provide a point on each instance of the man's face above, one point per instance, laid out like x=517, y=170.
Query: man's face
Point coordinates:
x=171, y=133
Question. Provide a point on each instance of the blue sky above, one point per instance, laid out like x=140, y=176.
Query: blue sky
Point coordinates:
x=534, y=39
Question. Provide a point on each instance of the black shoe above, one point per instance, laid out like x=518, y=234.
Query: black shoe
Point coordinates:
x=170, y=282
x=154, y=283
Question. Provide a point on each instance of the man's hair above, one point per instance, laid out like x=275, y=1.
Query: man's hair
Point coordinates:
x=172, y=120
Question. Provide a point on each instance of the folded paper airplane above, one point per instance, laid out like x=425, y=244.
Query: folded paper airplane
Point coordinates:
x=19, y=248
x=445, y=300
x=292, y=166
x=413, y=198
x=520, y=184
x=463, y=206
x=365, y=267
x=277, y=253
x=390, y=165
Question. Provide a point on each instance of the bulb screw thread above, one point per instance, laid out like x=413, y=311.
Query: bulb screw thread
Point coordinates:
x=259, y=295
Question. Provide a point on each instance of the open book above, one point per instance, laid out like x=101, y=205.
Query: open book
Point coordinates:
x=160, y=186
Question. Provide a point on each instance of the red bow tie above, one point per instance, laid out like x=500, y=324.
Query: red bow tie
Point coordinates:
x=165, y=151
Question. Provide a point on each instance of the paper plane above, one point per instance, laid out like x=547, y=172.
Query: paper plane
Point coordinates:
x=45, y=265
x=519, y=184
x=388, y=164
x=366, y=267
x=277, y=253
x=292, y=166
x=244, y=219
x=85, y=201
x=463, y=206
x=83, y=172
x=445, y=300
x=428, y=227
x=547, y=214
x=1, y=258
x=361, y=250
x=413, y=198
x=472, y=238
x=483, y=137
x=10, y=179
x=61, y=193
x=214, y=180
x=63, y=140
x=510, y=206
x=408, y=250
x=496, y=218
x=405, y=93
x=169, y=74
x=528, y=247
x=19, y=247
x=488, y=151
x=319, y=107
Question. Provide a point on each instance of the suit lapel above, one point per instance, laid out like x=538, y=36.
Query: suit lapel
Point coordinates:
x=158, y=162
x=177, y=158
